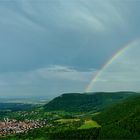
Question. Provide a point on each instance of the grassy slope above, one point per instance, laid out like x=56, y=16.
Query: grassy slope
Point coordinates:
x=89, y=124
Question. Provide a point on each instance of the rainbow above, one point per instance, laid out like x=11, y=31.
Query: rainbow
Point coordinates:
x=106, y=65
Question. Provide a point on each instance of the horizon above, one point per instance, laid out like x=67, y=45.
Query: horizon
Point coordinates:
x=45, y=98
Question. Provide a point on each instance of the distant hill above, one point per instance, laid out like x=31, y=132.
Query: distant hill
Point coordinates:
x=77, y=102
x=16, y=106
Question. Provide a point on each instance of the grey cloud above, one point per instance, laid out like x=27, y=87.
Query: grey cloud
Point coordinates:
x=51, y=80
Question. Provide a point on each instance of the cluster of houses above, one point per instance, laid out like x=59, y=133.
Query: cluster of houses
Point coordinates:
x=12, y=126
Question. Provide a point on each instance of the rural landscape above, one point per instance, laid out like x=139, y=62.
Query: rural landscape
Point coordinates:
x=69, y=69
x=74, y=116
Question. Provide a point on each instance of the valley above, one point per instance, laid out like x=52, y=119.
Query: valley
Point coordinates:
x=75, y=116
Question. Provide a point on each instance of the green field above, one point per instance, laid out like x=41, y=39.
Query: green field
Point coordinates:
x=89, y=124
x=67, y=120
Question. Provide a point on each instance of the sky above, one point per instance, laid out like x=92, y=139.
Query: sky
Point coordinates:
x=50, y=47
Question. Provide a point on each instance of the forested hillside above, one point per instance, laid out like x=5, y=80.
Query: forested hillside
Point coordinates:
x=123, y=120
x=76, y=102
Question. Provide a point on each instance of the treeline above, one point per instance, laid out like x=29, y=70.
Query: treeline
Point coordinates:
x=44, y=134
x=80, y=134
x=106, y=132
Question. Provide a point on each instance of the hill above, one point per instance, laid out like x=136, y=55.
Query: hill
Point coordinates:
x=76, y=102
x=118, y=121
x=121, y=120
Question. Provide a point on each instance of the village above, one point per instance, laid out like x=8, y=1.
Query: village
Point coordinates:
x=13, y=126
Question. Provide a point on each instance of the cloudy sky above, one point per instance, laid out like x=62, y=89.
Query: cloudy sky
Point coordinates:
x=48, y=47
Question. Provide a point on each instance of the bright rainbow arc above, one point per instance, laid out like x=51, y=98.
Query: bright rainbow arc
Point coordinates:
x=116, y=55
